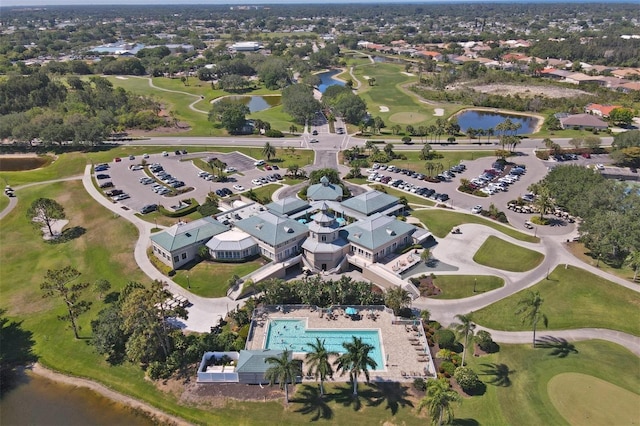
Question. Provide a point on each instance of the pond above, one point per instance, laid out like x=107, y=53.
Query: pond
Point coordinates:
x=258, y=103
x=16, y=164
x=36, y=400
x=326, y=80
x=478, y=119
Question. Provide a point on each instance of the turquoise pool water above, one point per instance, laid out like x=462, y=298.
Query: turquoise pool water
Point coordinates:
x=294, y=336
x=341, y=221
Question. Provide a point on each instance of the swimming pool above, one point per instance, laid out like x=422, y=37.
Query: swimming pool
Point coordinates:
x=294, y=336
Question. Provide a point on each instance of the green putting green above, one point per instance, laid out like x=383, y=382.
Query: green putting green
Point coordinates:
x=587, y=400
x=408, y=117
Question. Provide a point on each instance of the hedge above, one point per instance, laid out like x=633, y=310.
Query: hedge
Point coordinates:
x=182, y=212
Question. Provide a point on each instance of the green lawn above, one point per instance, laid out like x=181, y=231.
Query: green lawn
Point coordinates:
x=518, y=377
x=461, y=286
x=284, y=158
x=573, y=298
x=449, y=159
x=210, y=279
x=497, y=253
x=266, y=191
x=441, y=222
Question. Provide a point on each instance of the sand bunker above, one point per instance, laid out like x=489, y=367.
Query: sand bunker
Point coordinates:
x=122, y=78
x=410, y=74
x=366, y=77
x=56, y=227
x=384, y=108
x=438, y=112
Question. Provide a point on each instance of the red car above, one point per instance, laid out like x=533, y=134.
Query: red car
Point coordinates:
x=117, y=159
x=586, y=155
x=267, y=167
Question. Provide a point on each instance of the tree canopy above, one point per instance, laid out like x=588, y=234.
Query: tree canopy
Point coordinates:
x=298, y=102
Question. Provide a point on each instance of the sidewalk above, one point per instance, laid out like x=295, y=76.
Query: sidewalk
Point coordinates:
x=204, y=313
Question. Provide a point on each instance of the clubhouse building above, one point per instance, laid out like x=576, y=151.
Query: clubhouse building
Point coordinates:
x=322, y=234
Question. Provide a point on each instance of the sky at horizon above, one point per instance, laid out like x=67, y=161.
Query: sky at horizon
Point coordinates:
x=39, y=3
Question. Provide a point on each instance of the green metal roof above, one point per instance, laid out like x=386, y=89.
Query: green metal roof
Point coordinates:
x=271, y=228
x=183, y=235
x=376, y=231
x=370, y=202
x=324, y=191
x=255, y=361
x=287, y=206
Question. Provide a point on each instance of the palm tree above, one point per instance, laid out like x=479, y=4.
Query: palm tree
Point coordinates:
x=397, y=298
x=356, y=360
x=530, y=306
x=438, y=401
x=464, y=328
x=268, y=151
x=543, y=200
x=318, y=360
x=284, y=369
x=490, y=132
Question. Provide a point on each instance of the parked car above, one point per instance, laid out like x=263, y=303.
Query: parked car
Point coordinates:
x=230, y=170
x=528, y=225
x=314, y=133
x=106, y=185
x=117, y=159
x=113, y=192
x=145, y=156
x=102, y=176
x=314, y=140
x=238, y=188
x=600, y=166
x=259, y=163
x=148, y=208
x=131, y=157
x=165, y=154
x=256, y=182
x=476, y=209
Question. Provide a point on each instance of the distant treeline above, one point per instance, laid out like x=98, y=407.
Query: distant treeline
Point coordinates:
x=38, y=108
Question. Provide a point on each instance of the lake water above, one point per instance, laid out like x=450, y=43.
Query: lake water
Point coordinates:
x=14, y=164
x=40, y=401
x=258, y=103
x=477, y=119
x=326, y=80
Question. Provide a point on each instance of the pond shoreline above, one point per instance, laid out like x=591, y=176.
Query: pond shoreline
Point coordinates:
x=539, y=117
x=103, y=390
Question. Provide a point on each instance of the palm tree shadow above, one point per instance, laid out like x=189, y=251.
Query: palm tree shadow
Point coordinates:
x=313, y=403
x=394, y=393
x=559, y=347
x=346, y=397
x=500, y=373
x=465, y=422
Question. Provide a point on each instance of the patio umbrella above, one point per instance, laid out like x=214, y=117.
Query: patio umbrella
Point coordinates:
x=351, y=311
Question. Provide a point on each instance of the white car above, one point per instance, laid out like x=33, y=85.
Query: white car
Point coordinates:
x=238, y=187
x=600, y=166
x=145, y=156
x=476, y=209
x=230, y=170
x=314, y=141
x=165, y=154
x=256, y=182
x=259, y=163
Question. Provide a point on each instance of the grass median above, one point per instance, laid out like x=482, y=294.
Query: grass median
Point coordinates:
x=441, y=222
x=499, y=254
x=211, y=279
x=461, y=286
x=573, y=298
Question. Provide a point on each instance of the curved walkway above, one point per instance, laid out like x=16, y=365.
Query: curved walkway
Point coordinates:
x=458, y=249
x=204, y=312
x=191, y=105
x=13, y=201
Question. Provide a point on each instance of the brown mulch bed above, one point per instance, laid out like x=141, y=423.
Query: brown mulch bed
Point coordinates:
x=218, y=394
x=427, y=288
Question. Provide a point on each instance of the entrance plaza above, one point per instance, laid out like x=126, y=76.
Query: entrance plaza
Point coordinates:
x=402, y=343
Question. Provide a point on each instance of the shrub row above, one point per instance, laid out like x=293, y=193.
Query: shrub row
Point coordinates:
x=182, y=212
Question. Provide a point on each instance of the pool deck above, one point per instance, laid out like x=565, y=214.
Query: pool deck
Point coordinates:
x=402, y=347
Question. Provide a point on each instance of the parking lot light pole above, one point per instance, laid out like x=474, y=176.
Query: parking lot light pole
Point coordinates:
x=475, y=283
x=188, y=282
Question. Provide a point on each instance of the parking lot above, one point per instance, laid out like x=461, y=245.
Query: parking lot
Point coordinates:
x=124, y=177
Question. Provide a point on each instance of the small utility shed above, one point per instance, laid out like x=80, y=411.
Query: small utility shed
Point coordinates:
x=252, y=365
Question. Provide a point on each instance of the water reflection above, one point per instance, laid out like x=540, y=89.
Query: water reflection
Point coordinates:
x=477, y=119
x=326, y=80
x=256, y=102
x=35, y=400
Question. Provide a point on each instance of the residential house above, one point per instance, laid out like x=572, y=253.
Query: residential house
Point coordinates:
x=600, y=110
x=583, y=121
